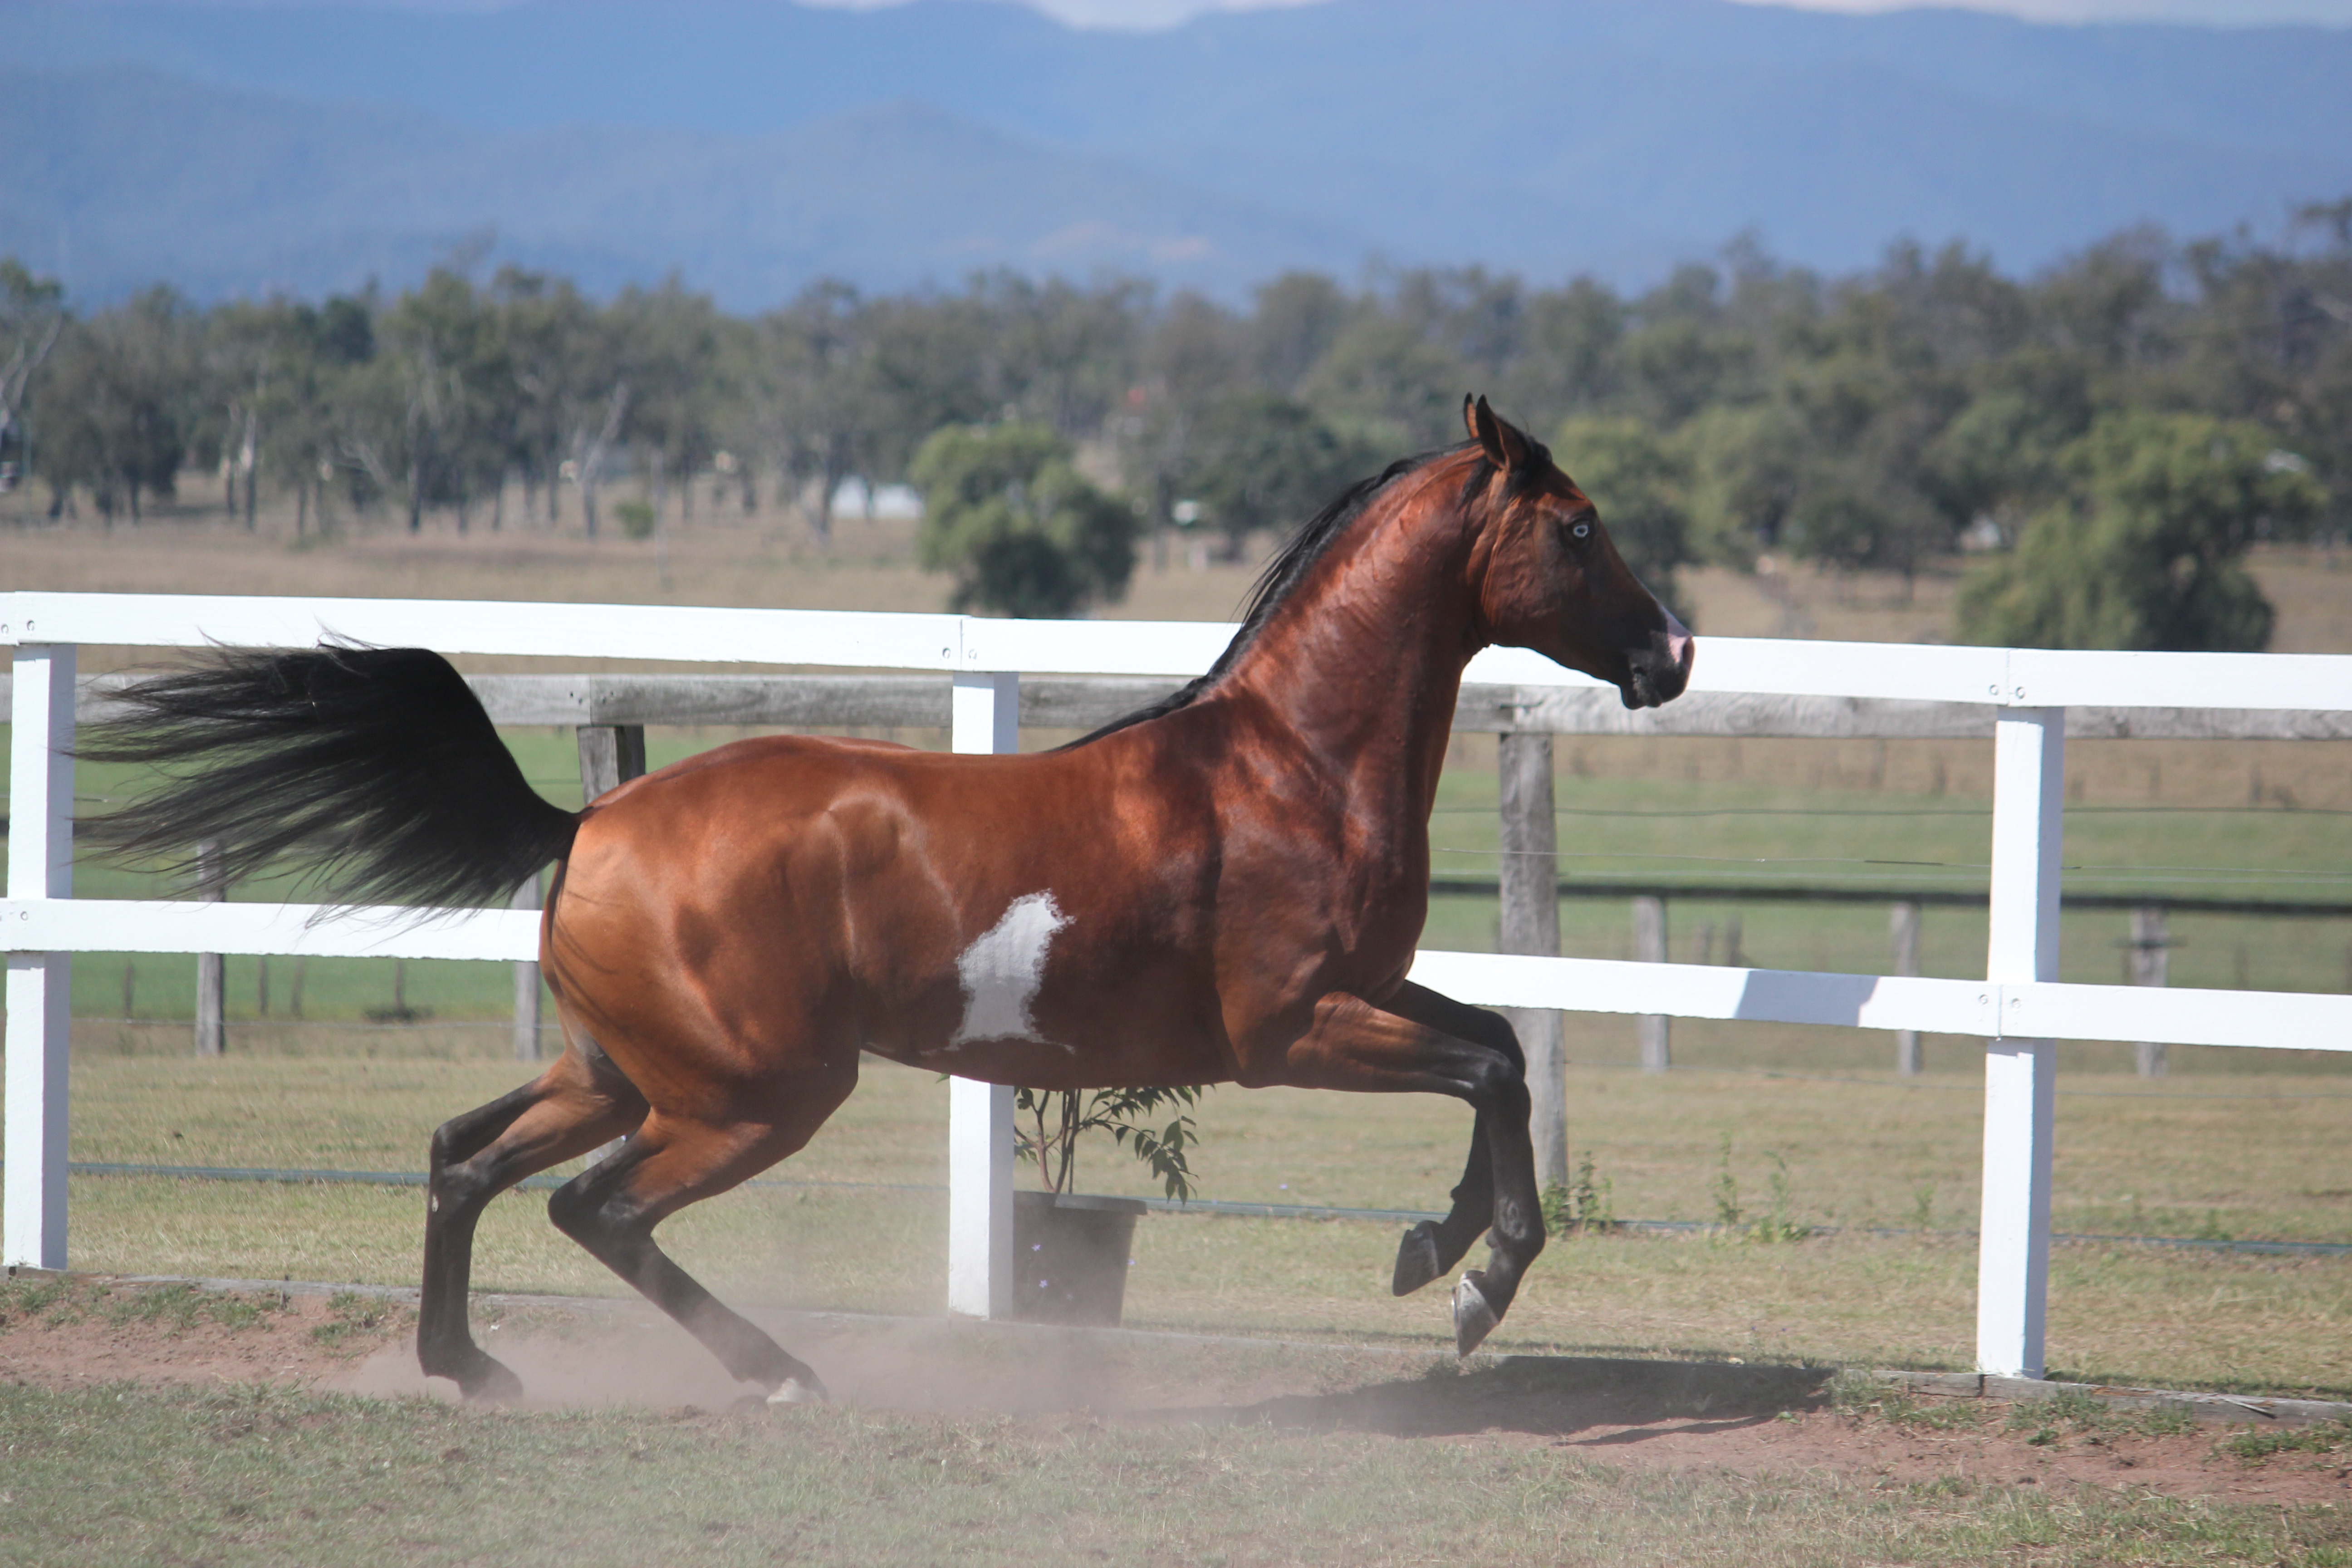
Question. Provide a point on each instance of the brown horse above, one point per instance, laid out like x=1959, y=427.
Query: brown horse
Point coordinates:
x=1225, y=887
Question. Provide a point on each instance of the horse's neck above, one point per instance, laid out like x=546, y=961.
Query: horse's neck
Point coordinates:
x=1363, y=660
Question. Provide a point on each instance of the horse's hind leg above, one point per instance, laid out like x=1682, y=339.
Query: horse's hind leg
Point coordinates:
x=578, y=1103
x=1433, y=1247
x=612, y=1208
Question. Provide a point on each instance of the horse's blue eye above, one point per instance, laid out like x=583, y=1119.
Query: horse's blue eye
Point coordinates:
x=1581, y=530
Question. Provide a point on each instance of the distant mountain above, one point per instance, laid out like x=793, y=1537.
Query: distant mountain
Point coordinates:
x=122, y=177
x=753, y=144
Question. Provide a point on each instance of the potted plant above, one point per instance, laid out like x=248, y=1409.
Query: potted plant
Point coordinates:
x=1071, y=1250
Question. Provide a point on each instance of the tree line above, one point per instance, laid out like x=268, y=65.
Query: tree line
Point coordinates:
x=2110, y=435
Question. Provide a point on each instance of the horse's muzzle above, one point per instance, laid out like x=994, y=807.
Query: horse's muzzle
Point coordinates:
x=1657, y=673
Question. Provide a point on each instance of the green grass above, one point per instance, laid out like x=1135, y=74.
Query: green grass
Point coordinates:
x=2258, y=1443
x=265, y=1476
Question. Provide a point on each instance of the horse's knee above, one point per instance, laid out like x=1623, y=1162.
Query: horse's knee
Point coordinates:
x=1500, y=1087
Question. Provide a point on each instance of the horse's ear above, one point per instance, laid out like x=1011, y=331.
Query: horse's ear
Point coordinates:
x=1505, y=445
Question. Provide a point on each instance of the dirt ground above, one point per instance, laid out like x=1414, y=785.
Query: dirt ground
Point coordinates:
x=1749, y=1421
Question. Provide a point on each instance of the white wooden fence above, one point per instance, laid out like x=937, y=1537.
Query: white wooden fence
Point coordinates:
x=2019, y=1007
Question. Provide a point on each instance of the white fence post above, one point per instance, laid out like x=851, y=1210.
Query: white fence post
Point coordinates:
x=2021, y=1076
x=40, y=984
x=985, y=716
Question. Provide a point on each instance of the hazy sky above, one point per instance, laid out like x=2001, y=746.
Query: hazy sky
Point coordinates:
x=2226, y=12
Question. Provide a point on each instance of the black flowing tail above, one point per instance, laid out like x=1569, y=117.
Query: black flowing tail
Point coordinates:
x=373, y=769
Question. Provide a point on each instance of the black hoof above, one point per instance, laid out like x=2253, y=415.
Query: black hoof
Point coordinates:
x=1474, y=1319
x=1417, y=1261
x=485, y=1380
x=496, y=1385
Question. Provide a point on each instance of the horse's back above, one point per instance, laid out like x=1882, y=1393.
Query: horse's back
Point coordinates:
x=791, y=892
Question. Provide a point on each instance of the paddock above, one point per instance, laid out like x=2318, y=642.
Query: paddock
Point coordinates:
x=2019, y=1008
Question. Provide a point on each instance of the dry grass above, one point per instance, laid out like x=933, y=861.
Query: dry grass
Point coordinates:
x=1859, y=1153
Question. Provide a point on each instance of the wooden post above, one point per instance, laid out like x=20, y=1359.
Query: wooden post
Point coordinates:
x=2151, y=964
x=40, y=984
x=609, y=756
x=985, y=716
x=2021, y=1076
x=1904, y=925
x=526, y=983
x=1530, y=895
x=212, y=1013
x=1654, y=1030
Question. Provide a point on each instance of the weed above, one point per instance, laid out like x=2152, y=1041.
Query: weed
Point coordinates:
x=2070, y=1408
x=2211, y=1229
x=1774, y=1223
x=1859, y=1394
x=351, y=1316
x=1923, y=1206
x=180, y=1308
x=1726, y=1191
x=2171, y=1418
x=41, y=1301
x=1584, y=1204
x=2260, y=1443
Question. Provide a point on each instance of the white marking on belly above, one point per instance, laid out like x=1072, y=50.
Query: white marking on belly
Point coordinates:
x=1002, y=970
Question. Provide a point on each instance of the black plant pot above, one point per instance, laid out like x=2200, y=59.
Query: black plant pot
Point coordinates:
x=1070, y=1256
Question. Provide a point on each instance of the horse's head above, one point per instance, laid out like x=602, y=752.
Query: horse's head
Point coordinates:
x=1552, y=580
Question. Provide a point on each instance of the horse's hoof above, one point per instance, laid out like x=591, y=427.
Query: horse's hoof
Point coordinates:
x=797, y=1391
x=491, y=1383
x=1416, y=1263
x=1474, y=1319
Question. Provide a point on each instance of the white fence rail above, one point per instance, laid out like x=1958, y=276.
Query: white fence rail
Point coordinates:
x=2019, y=1008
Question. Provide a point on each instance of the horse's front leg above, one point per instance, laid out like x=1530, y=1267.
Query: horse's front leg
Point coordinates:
x=1424, y=1043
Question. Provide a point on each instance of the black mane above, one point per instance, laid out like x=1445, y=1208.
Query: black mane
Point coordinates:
x=1282, y=574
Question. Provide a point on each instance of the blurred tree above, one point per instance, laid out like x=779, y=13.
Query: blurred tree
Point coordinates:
x=2146, y=555
x=1259, y=460
x=1385, y=385
x=448, y=371
x=669, y=346
x=122, y=396
x=1022, y=530
x=557, y=362
x=816, y=394
x=1747, y=468
x=1297, y=318
x=1571, y=363
x=32, y=318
